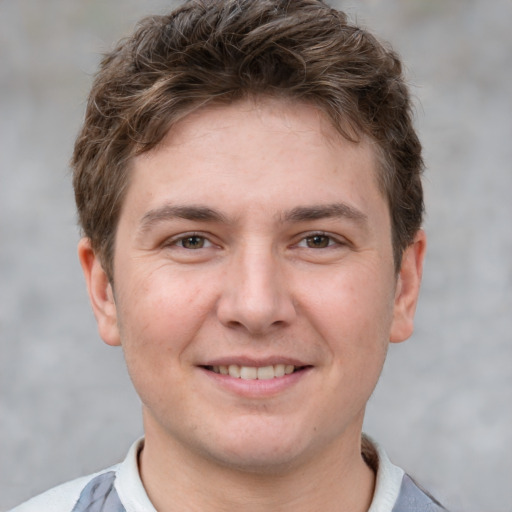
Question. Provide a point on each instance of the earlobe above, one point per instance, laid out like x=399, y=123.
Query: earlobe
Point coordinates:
x=100, y=293
x=408, y=288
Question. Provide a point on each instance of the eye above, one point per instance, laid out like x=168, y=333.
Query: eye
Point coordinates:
x=193, y=242
x=317, y=241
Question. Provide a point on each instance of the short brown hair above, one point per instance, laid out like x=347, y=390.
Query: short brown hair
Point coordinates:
x=222, y=51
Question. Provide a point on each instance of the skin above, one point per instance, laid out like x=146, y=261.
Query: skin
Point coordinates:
x=254, y=234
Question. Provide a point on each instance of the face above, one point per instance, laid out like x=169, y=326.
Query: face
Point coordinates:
x=255, y=292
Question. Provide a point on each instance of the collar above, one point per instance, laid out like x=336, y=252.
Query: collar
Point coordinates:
x=387, y=485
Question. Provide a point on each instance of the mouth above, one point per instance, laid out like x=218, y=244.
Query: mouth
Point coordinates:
x=255, y=372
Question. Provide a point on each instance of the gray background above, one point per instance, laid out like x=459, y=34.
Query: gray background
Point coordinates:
x=443, y=409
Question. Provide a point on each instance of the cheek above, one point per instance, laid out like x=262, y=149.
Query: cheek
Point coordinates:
x=353, y=310
x=159, y=318
x=159, y=314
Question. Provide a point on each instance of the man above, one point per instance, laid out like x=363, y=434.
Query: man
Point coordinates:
x=248, y=184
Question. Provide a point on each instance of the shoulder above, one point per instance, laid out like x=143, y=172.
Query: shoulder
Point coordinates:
x=118, y=488
x=413, y=498
x=62, y=498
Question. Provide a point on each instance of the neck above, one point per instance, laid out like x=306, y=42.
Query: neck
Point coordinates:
x=177, y=480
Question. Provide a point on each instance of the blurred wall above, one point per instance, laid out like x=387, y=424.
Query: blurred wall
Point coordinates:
x=443, y=409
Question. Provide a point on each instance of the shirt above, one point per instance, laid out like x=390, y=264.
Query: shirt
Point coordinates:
x=120, y=489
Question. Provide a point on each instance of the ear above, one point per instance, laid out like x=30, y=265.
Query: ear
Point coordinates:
x=100, y=293
x=408, y=288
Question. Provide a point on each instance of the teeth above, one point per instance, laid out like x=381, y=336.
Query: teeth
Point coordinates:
x=248, y=372
x=266, y=372
x=279, y=370
x=233, y=370
x=253, y=373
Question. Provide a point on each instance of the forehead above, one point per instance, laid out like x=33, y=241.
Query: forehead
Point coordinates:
x=274, y=114
x=266, y=152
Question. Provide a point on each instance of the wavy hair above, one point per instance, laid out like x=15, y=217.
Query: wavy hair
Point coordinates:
x=222, y=51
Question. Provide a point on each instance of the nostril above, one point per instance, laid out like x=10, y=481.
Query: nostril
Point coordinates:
x=233, y=324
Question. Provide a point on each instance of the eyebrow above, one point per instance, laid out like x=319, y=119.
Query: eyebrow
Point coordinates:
x=334, y=210
x=206, y=214
x=186, y=212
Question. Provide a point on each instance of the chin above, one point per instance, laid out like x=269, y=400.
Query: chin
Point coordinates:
x=260, y=450
x=266, y=461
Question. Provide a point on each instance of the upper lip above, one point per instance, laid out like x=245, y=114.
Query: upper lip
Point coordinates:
x=254, y=362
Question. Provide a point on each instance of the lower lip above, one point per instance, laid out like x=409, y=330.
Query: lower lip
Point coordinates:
x=256, y=388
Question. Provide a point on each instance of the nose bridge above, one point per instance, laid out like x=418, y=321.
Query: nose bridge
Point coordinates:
x=255, y=295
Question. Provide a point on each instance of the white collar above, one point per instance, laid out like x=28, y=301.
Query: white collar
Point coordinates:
x=128, y=483
x=388, y=481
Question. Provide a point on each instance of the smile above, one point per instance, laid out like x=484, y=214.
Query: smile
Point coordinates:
x=255, y=372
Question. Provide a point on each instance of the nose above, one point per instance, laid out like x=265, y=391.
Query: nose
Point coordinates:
x=255, y=295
